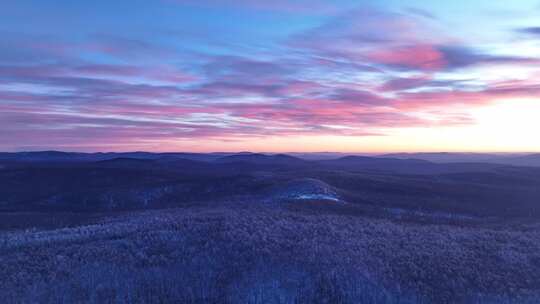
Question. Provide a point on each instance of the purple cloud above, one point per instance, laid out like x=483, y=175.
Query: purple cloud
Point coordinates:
x=530, y=30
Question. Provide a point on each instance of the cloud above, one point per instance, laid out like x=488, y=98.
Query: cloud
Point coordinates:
x=404, y=83
x=359, y=73
x=354, y=96
x=414, y=57
x=460, y=56
x=535, y=31
x=281, y=6
x=353, y=34
x=233, y=97
x=394, y=41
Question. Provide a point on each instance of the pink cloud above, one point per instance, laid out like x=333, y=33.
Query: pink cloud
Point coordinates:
x=419, y=57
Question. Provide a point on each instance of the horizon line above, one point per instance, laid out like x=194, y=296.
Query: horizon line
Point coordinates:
x=269, y=152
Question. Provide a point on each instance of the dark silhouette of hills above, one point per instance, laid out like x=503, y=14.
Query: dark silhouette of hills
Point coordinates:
x=532, y=159
x=262, y=159
x=140, y=180
x=403, y=166
x=50, y=156
x=445, y=157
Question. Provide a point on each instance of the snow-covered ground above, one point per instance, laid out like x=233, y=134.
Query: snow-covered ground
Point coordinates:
x=305, y=189
x=322, y=197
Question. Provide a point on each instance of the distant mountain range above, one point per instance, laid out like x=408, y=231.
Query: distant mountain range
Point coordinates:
x=101, y=156
x=64, y=181
x=532, y=159
x=259, y=158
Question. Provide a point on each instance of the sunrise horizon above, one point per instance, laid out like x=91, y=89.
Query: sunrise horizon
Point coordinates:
x=246, y=151
x=182, y=75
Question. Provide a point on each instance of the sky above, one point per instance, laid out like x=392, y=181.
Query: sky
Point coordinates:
x=270, y=76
